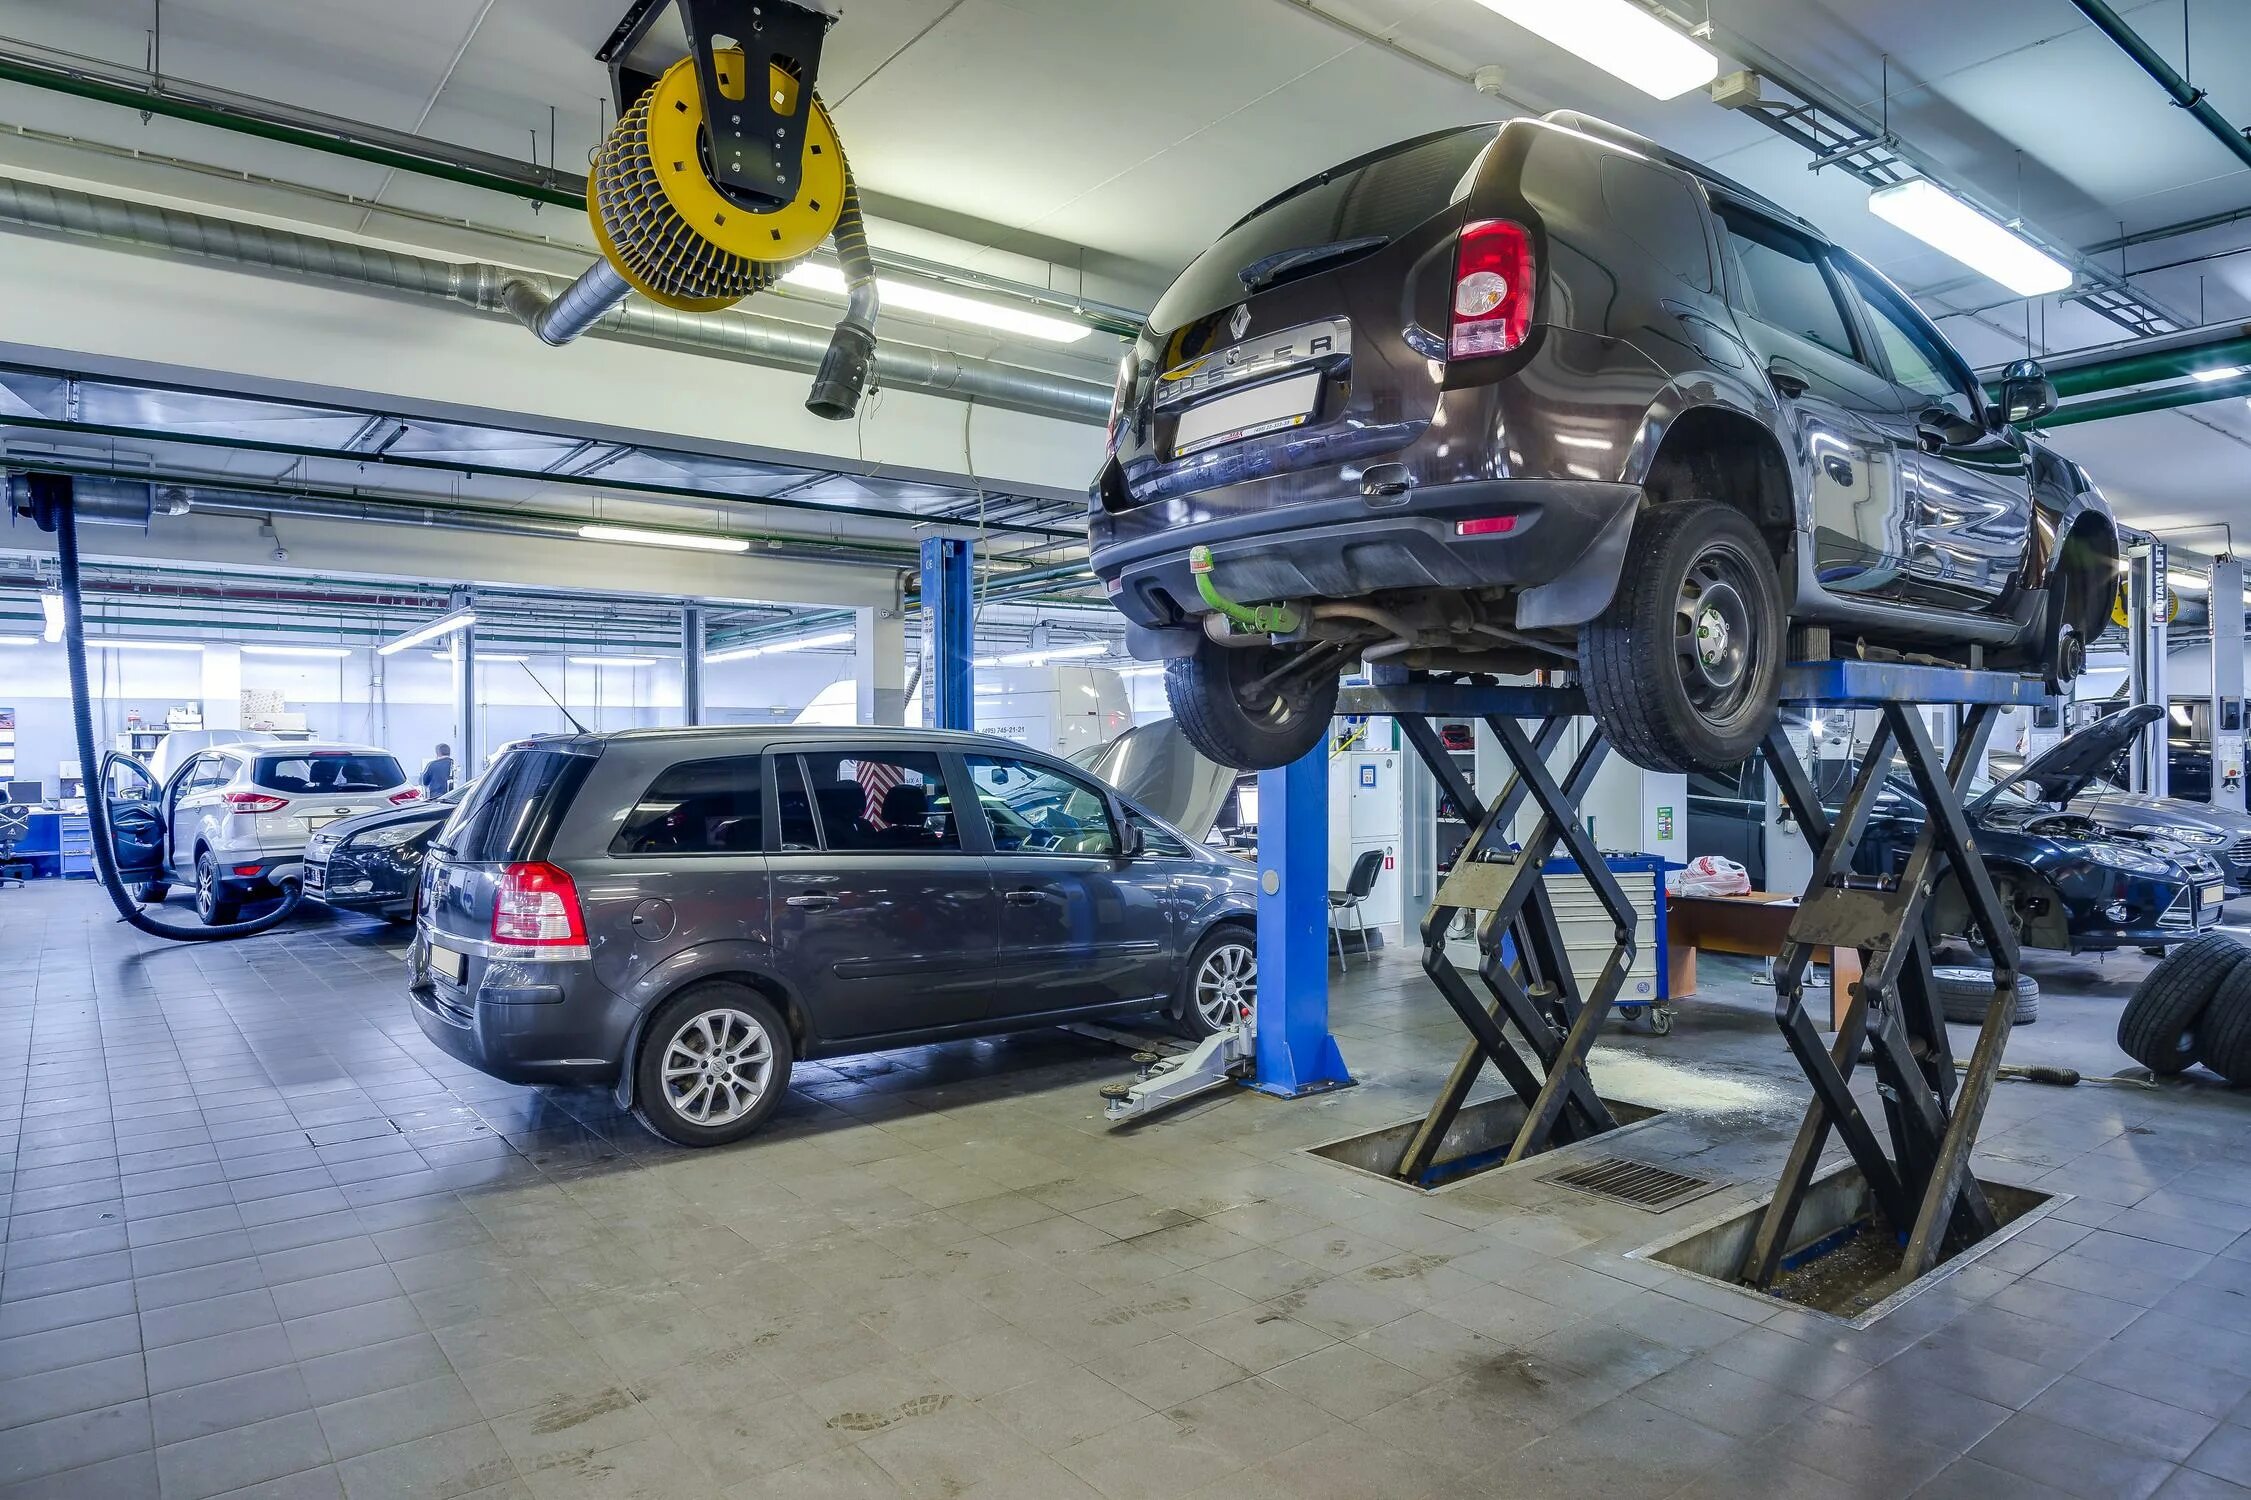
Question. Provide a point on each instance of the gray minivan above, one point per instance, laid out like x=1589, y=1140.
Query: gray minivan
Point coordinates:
x=683, y=913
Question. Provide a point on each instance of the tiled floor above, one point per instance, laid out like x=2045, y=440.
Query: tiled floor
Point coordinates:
x=261, y=1239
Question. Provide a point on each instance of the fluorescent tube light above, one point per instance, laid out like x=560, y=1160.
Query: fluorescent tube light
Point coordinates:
x=1620, y=38
x=612, y=661
x=1045, y=654
x=324, y=653
x=51, y=605
x=645, y=537
x=460, y=619
x=770, y=648
x=124, y=645
x=19, y=640
x=910, y=296
x=500, y=658
x=2224, y=372
x=1944, y=222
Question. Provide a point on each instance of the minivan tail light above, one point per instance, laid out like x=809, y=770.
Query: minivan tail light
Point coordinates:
x=252, y=802
x=410, y=794
x=536, y=906
x=1493, y=289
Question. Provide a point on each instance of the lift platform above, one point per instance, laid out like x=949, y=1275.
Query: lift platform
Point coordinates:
x=1534, y=1023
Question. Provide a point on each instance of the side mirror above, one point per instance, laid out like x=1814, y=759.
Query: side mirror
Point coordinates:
x=1131, y=842
x=2026, y=393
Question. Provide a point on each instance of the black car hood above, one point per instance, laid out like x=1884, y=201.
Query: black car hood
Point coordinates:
x=2064, y=769
x=389, y=817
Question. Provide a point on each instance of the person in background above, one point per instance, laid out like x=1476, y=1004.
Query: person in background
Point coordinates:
x=437, y=772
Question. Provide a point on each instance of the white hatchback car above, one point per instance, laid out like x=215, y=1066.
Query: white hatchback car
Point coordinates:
x=238, y=815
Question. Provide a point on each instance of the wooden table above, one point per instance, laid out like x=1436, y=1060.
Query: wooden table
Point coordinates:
x=1755, y=924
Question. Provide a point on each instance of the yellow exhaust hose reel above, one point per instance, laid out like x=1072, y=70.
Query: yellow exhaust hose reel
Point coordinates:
x=667, y=231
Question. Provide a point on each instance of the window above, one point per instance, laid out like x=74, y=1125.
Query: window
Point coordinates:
x=1157, y=840
x=319, y=772
x=1783, y=283
x=880, y=801
x=211, y=771
x=1919, y=358
x=512, y=812
x=1034, y=810
x=701, y=807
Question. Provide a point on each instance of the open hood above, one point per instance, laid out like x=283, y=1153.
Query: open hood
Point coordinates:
x=2062, y=771
x=1153, y=764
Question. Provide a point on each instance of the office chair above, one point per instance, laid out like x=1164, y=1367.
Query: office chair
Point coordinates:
x=15, y=826
x=1357, y=888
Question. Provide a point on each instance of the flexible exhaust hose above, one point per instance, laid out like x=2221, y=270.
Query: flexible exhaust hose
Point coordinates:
x=97, y=805
x=843, y=375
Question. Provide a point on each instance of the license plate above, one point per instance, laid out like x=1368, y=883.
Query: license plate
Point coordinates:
x=447, y=964
x=1265, y=408
x=2212, y=895
x=316, y=877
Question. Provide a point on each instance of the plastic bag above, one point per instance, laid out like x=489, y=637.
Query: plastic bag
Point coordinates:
x=1709, y=875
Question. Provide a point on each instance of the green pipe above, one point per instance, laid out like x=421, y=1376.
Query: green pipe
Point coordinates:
x=2183, y=94
x=2165, y=398
x=2144, y=367
x=156, y=102
x=488, y=471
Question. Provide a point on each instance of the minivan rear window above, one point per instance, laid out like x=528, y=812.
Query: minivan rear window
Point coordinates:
x=512, y=813
x=1385, y=193
x=312, y=773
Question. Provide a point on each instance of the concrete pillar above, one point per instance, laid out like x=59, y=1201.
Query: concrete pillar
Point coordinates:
x=880, y=665
x=465, y=758
x=691, y=664
x=221, y=688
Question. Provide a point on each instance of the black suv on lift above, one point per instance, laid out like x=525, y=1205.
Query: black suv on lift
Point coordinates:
x=1546, y=395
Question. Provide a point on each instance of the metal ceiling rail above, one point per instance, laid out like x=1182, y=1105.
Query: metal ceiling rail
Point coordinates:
x=2184, y=95
x=478, y=285
x=175, y=98
x=1837, y=133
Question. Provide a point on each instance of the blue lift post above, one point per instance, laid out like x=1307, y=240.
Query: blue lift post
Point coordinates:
x=946, y=593
x=1295, y=1052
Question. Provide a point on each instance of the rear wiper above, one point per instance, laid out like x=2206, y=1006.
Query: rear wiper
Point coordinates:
x=1283, y=264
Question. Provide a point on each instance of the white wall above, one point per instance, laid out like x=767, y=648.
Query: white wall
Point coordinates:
x=403, y=703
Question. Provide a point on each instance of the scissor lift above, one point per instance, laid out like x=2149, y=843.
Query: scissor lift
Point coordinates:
x=1534, y=1022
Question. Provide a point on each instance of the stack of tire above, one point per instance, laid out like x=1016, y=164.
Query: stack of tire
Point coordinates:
x=1965, y=993
x=2195, y=1007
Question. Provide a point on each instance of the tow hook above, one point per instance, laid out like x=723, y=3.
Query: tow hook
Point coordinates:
x=1261, y=619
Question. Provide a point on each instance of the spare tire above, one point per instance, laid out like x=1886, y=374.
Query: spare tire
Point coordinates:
x=2158, y=1026
x=2224, y=1034
x=1964, y=993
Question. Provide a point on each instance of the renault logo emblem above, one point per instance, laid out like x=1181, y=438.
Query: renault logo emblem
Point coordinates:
x=1240, y=323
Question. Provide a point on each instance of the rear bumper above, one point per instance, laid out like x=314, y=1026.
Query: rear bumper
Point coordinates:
x=268, y=873
x=1566, y=534
x=542, y=1022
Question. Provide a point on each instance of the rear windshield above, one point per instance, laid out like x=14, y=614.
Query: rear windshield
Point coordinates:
x=320, y=771
x=512, y=811
x=1386, y=193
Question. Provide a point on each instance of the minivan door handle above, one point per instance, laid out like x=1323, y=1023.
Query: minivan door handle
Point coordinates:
x=812, y=901
x=1026, y=896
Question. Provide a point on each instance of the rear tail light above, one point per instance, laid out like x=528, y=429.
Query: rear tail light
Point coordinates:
x=246, y=870
x=1485, y=526
x=537, y=907
x=252, y=802
x=1493, y=289
x=410, y=794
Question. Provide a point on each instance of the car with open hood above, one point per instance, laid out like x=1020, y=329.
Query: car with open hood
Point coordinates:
x=2070, y=881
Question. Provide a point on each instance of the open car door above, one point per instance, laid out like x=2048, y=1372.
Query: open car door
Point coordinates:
x=136, y=818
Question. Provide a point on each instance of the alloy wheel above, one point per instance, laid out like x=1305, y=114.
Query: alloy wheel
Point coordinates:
x=717, y=1067
x=1227, y=984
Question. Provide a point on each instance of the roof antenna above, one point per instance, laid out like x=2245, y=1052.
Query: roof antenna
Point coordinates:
x=566, y=713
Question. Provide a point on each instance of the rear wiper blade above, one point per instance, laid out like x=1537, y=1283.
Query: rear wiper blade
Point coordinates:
x=1269, y=269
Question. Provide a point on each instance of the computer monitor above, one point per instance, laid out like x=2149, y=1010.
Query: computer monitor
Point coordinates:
x=27, y=791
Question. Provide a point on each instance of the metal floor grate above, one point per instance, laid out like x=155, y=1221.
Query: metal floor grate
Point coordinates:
x=1653, y=1189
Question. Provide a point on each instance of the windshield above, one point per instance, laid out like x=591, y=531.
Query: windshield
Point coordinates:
x=321, y=771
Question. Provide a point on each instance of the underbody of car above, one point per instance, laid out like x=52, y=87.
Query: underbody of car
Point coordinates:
x=1508, y=399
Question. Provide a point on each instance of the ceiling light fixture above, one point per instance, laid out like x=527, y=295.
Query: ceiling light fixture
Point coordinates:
x=770, y=648
x=1045, y=654
x=460, y=619
x=612, y=661
x=1618, y=37
x=19, y=640
x=502, y=658
x=1945, y=223
x=51, y=605
x=647, y=537
x=324, y=653
x=2224, y=372
x=909, y=296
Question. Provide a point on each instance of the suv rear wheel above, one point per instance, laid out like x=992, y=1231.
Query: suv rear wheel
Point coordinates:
x=1243, y=707
x=1684, y=669
x=213, y=907
x=713, y=1065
